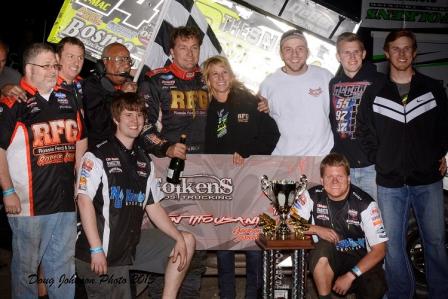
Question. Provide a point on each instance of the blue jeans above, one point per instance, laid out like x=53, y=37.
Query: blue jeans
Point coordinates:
x=226, y=273
x=427, y=203
x=365, y=178
x=48, y=240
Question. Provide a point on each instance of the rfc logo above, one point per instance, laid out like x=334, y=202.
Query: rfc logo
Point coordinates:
x=199, y=187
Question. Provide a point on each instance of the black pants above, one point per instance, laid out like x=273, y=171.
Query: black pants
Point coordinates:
x=371, y=284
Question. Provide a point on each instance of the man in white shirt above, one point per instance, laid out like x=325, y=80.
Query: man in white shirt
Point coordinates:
x=298, y=99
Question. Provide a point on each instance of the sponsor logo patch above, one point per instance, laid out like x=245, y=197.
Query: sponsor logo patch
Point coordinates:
x=87, y=165
x=243, y=117
x=115, y=170
x=315, y=92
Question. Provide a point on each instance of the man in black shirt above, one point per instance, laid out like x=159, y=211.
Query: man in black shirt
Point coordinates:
x=116, y=185
x=351, y=239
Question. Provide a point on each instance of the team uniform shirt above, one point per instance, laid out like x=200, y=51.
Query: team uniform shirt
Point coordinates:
x=300, y=106
x=356, y=219
x=345, y=95
x=75, y=87
x=40, y=137
x=120, y=183
x=180, y=99
x=97, y=94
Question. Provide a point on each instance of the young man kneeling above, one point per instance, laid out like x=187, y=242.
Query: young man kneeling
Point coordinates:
x=116, y=185
x=352, y=242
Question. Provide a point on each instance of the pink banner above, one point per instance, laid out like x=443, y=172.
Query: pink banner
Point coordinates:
x=219, y=202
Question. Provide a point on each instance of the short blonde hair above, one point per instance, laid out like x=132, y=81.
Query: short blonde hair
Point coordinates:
x=334, y=159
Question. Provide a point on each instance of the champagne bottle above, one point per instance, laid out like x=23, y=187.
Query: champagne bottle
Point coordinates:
x=177, y=165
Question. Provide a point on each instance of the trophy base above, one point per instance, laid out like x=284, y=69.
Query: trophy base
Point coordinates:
x=292, y=242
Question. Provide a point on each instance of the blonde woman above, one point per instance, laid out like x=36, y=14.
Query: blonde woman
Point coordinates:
x=235, y=126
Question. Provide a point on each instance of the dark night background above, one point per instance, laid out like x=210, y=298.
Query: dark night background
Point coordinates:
x=25, y=22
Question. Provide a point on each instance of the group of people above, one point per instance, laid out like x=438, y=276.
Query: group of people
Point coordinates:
x=387, y=135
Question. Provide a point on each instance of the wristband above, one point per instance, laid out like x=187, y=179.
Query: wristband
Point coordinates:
x=96, y=250
x=355, y=270
x=9, y=191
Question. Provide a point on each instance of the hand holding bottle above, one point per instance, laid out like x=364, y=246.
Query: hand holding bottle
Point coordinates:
x=177, y=165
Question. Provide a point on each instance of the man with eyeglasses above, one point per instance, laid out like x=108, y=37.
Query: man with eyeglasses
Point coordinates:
x=42, y=139
x=403, y=130
x=113, y=73
x=346, y=90
x=70, y=55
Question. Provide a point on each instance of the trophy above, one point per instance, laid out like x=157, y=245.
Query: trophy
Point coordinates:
x=283, y=194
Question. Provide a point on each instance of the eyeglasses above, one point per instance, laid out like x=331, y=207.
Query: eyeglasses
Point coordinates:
x=47, y=67
x=121, y=59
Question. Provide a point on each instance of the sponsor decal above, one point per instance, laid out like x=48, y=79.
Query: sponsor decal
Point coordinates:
x=377, y=222
x=126, y=197
x=142, y=173
x=315, y=92
x=323, y=217
x=35, y=110
x=62, y=99
x=188, y=100
x=82, y=183
x=51, y=133
x=85, y=173
x=113, y=163
x=141, y=164
x=167, y=76
x=87, y=165
x=245, y=233
x=323, y=211
x=350, y=244
x=352, y=217
x=31, y=102
x=204, y=187
x=243, y=117
x=115, y=170
x=168, y=82
x=57, y=158
x=154, y=139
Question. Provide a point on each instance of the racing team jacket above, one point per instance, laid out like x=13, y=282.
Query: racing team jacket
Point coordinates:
x=405, y=142
x=121, y=183
x=39, y=138
x=97, y=96
x=181, y=98
x=357, y=221
x=75, y=88
x=345, y=97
